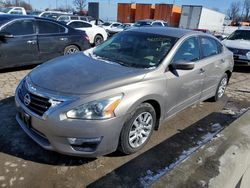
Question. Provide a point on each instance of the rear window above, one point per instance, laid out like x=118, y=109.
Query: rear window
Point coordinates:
x=209, y=47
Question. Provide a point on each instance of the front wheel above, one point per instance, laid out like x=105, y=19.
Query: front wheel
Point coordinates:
x=71, y=49
x=138, y=129
x=221, y=88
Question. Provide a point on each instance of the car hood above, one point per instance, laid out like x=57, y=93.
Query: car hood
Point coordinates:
x=81, y=74
x=239, y=44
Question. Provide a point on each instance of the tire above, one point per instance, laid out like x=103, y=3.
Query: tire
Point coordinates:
x=98, y=40
x=221, y=88
x=135, y=133
x=71, y=49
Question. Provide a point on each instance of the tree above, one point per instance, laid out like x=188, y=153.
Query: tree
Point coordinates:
x=9, y=3
x=80, y=4
x=25, y=5
x=234, y=11
x=246, y=9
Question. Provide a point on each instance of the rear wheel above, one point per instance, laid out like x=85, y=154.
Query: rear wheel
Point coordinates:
x=71, y=49
x=138, y=129
x=98, y=40
x=221, y=88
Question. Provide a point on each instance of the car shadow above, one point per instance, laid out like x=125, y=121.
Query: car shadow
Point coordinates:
x=159, y=160
x=242, y=69
x=13, y=141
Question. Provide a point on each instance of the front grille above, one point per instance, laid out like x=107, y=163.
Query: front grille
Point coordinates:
x=39, y=105
x=239, y=51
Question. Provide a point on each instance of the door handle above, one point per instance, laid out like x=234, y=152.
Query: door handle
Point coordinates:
x=63, y=39
x=202, y=70
x=222, y=61
x=31, y=42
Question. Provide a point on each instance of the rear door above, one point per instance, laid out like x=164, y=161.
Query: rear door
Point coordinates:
x=22, y=48
x=214, y=64
x=184, y=87
x=52, y=39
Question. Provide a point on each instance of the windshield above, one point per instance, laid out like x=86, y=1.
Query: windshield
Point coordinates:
x=240, y=34
x=142, y=23
x=5, y=10
x=106, y=24
x=135, y=49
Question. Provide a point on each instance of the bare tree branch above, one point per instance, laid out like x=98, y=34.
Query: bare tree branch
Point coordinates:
x=80, y=4
x=246, y=7
x=233, y=11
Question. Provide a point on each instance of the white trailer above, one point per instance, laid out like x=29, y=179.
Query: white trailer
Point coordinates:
x=199, y=17
x=105, y=10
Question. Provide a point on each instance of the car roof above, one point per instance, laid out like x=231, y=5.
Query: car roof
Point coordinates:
x=13, y=16
x=8, y=17
x=166, y=31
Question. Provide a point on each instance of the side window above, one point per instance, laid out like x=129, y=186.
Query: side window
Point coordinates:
x=73, y=24
x=20, y=27
x=188, y=51
x=83, y=18
x=49, y=28
x=165, y=24
x=219, y=47
x=74, y=17
x=116, y=25
x=157, y=24
x=82, y=24
x=208, y=47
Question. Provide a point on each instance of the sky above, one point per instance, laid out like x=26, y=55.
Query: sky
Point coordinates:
x=222, y=5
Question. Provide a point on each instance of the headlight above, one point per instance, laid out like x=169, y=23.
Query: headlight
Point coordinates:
x=101, y=109
x=248, y=55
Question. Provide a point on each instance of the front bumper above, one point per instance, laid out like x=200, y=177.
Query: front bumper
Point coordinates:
x=52, y=133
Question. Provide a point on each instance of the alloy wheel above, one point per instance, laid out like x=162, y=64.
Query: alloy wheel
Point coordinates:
x=140, y=129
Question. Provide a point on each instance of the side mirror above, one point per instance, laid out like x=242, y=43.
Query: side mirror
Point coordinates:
x=4, y=35
x=183, y=65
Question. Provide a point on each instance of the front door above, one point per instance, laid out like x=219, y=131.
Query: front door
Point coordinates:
x=184, y=87
x=21, y=48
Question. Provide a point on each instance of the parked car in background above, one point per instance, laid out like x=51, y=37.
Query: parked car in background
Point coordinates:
x=110, y=25
x=118, y=29
x=52, y=14
x=203, y=30
x=34, y=13
x=150, y=22
x=13, y=10
x=95, y=33
x=68, y=18
x=239, y=43
x=115, y=95
x=28, y=40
